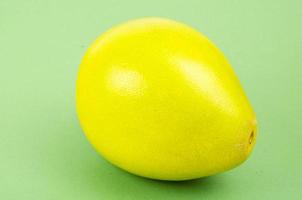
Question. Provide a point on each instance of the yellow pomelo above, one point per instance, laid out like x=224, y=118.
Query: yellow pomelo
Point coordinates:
x=158, y=99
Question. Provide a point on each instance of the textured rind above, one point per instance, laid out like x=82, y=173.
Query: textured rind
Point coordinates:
x=158, y=99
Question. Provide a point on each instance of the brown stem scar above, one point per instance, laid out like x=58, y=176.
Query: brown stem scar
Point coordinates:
x=251, y=137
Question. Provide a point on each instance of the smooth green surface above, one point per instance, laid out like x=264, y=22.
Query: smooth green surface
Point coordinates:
x=43, y=153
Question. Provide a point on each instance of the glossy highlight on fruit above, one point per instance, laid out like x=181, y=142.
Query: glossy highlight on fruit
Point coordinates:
x=157, y=98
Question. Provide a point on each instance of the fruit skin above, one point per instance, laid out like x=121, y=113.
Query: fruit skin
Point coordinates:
x=158, y=99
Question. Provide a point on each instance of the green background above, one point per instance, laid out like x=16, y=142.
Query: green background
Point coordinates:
x=43, y=152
